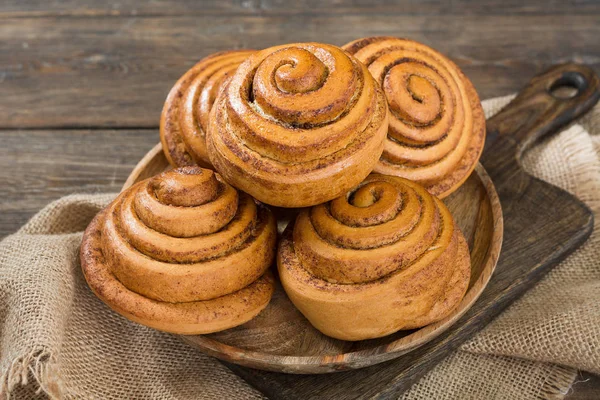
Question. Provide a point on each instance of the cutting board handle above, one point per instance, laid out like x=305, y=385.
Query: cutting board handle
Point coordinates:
x=540, y=109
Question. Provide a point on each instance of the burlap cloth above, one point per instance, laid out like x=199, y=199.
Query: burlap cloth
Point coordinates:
x=59, y=340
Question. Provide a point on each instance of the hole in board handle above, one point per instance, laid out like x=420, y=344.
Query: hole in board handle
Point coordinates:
x=568, y=86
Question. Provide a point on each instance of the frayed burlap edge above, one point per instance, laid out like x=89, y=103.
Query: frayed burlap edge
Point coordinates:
x=558, y=383
x=38, y=365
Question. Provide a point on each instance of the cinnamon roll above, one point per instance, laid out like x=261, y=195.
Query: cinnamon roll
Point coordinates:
x=298, y=125
x=182, y=252
x=437, y=127
x=184, y=118
x=383, y=257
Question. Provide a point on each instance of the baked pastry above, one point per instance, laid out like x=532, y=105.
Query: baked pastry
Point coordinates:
x=437, y=127
x=184, y=118
x=385, y=256
x=298, y=125
x=182, y=252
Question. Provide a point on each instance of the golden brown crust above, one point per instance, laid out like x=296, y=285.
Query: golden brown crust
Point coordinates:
x=185, y=115
x=368, y=273
x=298, y=125
x=437, y=127
x=210, y=275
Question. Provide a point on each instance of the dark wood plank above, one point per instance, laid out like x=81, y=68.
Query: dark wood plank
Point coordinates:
x=94, y=8
x=37, y=167
x=117, y=71
x=586, y=387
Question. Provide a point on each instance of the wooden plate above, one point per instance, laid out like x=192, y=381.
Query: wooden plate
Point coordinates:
x=281, y=339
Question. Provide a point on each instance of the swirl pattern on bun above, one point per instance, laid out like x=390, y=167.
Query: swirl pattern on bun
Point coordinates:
x=298, y=125
x=185, y=115
x=437, y=127
x=384, y=257
x=182, y=252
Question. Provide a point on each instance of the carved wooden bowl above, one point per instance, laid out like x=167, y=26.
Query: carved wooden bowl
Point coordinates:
x=281, y=339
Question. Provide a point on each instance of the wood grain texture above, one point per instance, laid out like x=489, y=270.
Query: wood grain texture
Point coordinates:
x=116, y=71
x=585, y=387
x=37, y=167
x=94, y=8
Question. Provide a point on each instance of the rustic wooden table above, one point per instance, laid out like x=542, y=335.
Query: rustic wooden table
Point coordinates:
x=83, y=81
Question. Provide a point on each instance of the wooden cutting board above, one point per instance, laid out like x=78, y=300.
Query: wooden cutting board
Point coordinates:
x=543, y=224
